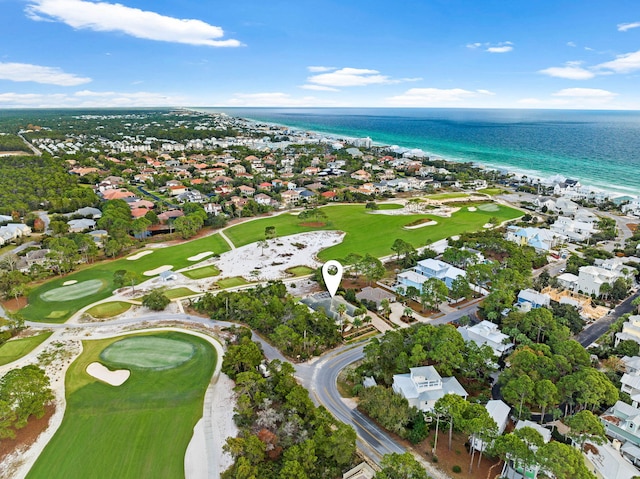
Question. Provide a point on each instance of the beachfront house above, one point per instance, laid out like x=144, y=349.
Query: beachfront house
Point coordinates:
x=423, y=386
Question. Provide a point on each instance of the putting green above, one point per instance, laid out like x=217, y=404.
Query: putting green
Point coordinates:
x=488, y=207
x=148, y=353
x=73, y=291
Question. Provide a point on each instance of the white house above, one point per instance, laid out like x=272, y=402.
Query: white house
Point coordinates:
x=606, y=461
x=507, y=470
x=487, y=333
x=429, y=268
x=630, y=330
x=591, y=278
x=574, y=230
x=498, y=411
x=423, y=386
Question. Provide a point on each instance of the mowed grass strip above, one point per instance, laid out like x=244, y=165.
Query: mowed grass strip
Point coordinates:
x=204, y=272
x=109, y=310
x=447, y=196
x=17, y=348
x=231, y=282
x=140, y=429
x=371, y=233
x=178, y=293
x=300, y=270
x=40, y=310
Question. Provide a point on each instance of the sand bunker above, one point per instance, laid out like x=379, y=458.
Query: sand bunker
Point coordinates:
x=472, y=208
x=487, y=225
x=139, y=255
x=200, y=256
x=421, y=225
x=158, y=270
x=70, y=282
x=104, y=374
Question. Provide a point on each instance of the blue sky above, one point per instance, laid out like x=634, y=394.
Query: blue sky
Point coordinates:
x=408, y=53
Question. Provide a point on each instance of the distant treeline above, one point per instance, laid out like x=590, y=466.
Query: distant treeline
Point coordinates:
x=10, y=142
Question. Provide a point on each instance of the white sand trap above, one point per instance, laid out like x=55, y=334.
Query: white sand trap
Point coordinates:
x=104, y=374
x=472, y=208
x=200, y=256
x=139, y=255
x=70, y=282
x=487, y=225
x=421, y=225
x=158, y=270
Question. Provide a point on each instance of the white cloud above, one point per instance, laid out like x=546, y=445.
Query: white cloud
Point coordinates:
x=585, y=93
x=625, y=63
x=319, y=69
x=115, y=17
x=623, y=27
x=318, y=88
x=87, y=98
x=348, y=77
x=502, y=47
x=571, y=71
x=571, y=44
x=435, y=96
x=275, y=99
x=25, y=72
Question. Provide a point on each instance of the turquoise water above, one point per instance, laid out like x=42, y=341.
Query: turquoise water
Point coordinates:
x=600, y=148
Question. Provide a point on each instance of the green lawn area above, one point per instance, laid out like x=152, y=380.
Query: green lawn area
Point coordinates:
x=17, y=348
x=300, y=270
x=59, y=311
x=447, y=196
x=491, y=191
x=371, y=233
x=179, y=293
x=204, y=272
x=389, y=206
x=139, y=429
x=109, y=310
x=231, y=282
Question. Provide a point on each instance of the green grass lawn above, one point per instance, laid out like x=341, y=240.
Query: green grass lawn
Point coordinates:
x=17, y=348
x=178, y=293
x=371, y=233
x=59, y=311
x=300, y=270
x=231, y=282
x=447, y=196
x=204, y=272
x=139, y=429
x=109, y=310
x=491, y=191
x=389, y=206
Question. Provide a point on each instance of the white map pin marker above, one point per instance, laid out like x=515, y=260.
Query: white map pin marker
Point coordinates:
x=332, y=280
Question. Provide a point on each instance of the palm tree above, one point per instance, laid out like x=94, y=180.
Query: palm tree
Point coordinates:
x=386, y=308
x=408, y=312
x=357, y=323
x=341, y=310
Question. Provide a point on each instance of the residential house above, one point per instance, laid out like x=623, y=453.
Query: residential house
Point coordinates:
x=290, y=196
x=77, y=226
x=533, y=299
x=542, y=240
x=631, y=364
x=246, y=190
x=498, y=411
x=361, y=471
x=591, y=278
x=606, y=461
x=423, y=386
x=566, y=186
x=630, y=330
x=429, y=268
x=177, y=190
x=12, y=231
x=632, y=207
x=509, y=467
x=577, y=231
x=486, y=332
x=376, y=295
x=361, y=175
x=622, y=422
x=212, y=208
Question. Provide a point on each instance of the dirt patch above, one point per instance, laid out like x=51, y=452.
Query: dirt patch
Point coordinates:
x=457, y=456
x=26, y=436
x=13, y=305
x=633, y=227
x=313, y=224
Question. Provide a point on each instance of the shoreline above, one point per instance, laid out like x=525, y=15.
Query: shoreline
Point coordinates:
x=536, y=175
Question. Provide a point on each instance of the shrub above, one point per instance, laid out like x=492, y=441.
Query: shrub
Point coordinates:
x=456, y=469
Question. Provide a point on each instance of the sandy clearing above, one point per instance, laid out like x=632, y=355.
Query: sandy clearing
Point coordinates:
x=158, y=270
x=421, y=225
x=139, y=255
x=70, y=282
x=200, y=256
x=254, y=264
x=104, y=374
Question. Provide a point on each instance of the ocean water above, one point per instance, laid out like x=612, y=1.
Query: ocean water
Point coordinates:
x=600, y=148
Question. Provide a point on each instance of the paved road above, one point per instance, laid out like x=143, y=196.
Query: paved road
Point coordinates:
x=598, y=328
